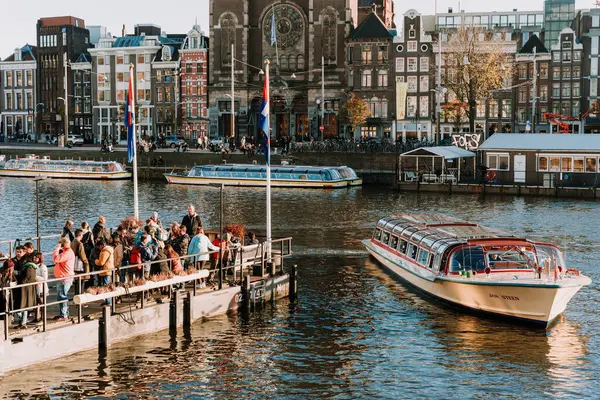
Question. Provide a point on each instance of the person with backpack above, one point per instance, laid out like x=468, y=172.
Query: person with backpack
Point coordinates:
x=147, y=251
x=106, y=262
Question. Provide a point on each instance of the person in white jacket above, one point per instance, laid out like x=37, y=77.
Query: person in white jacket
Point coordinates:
x=201, y=244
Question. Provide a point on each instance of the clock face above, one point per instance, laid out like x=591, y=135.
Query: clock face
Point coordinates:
x=289, y=26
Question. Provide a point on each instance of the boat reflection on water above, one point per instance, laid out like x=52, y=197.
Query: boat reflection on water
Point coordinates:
x=475, y=345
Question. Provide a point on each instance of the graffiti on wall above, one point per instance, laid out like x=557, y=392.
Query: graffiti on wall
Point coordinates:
x=467, y=141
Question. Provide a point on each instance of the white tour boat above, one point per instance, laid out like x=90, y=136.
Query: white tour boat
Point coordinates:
x=256, y=175
x=33, y=166
x=476, y=267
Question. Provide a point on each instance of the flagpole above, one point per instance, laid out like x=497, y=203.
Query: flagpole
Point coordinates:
x=268, y=156
x=274, y=29
x=136, y=211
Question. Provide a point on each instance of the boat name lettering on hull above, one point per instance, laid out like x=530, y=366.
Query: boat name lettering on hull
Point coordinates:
x=504, y=297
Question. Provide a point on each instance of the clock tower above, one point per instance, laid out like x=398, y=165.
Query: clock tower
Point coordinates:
x=300, y=38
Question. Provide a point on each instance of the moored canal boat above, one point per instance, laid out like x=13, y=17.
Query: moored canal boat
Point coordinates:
x=281, y=176
x=32, y=166
x=476, y=267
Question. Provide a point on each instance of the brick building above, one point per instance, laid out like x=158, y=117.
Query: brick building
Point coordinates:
x=383, y=8
x=81, y=72
x=370, y=74
x=18, y=98
x=307, y=32
x=57, y=37
x=194, y=80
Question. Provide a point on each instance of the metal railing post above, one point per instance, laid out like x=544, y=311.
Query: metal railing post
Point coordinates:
x=281, y=256
x=45, y=308
x=79, y=306
x=6, y=313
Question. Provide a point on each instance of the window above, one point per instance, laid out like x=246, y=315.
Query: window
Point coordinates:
x=412, y=64
x=402, y=245
x=555, y=73
x=377, y=235
x=544, y=93
x=554, y=164
x=566, y=56
x=412, y=251
x=424, y=106
x=351, y=78
x=575, y=109
x=8, y=78
x=543, y=163
x=590, y=164
x=593, y=86
x=493, y=109
x=556, y=56
x=506, y=108
x=566, y=164
x=140, y=59
x=382, y=79
x=385, y=237
x=366, y=54
x=119, y=60
x=594, y=66
x=19, y=78
x=423, y=257
x=577, y=164
x=411, y=46
x=576, y=71
x=424, y=64
x=522, y=115
x=29, y=78
x=566, y=72
x=576, y=56
x=382, y=53
x=522, y=94
x=566, y=90
x=556, y=90
x=544, y=71
x=480, y=109
x=366, y=78
x=412, y=84
x=394, y=242
x=575, y=89
x=424, y=84
x=498, y=162
x=100, y=60
x=411, y=106
x=159, y=95
x=468, y=258
x=523, y=71
x=329, y=20
x=399, y=64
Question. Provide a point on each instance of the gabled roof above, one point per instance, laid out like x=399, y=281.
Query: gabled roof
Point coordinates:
x=27, y=54
x=372, y=27
x=534, y=42
x=542, y=141
x=84, y=58
x=447, y=152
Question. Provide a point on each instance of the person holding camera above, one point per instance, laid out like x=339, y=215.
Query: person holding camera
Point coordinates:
x=64, y=269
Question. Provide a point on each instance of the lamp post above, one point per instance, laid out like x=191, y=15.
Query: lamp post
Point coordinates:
x=35, y=119
x=37, y=211
x=61, y=143
x=232, y=95
x=322, y=102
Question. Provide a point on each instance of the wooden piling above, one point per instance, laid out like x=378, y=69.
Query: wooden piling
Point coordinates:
x=246, y=289
x=293, y=282
x=188, y=309
x=104, y=329
x=174, y=315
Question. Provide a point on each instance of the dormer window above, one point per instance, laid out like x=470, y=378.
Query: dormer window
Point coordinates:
x=166, y=53
x=412, y=33
x=17, y=54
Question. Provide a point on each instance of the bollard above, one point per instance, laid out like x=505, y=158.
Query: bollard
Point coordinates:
x=293, y=282
x=246, y=289
x=104, y=329
x=188, y=310
x=174, y=315
x=271, y=268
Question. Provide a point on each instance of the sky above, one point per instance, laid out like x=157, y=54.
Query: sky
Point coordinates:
x=19, y=17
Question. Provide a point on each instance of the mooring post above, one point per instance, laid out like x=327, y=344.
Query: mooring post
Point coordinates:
x=246, y=289
x=188, y=309
x=174, y=316
x=104, y=329
x=293, y=282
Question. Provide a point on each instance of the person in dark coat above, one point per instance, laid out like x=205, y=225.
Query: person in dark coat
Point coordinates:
x=68, y=230
x=100, y=231
x=28, y=293
x=7, y=275
x=191, y=221
x=87, y=239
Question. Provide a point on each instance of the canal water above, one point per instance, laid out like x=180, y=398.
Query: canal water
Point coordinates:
x=354, y=333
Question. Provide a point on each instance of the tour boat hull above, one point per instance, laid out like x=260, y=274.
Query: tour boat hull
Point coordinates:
x=194, y=180
x=65, y=174
x=527, y=300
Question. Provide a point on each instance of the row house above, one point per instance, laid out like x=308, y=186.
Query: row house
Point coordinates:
x=60, y=40
x=81, y=73
x=370, y=73
x=165, y=84
x=18, y=100
x=194, y=81
x=414, y=80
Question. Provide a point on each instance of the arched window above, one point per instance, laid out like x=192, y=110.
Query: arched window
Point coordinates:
x=301, y=63
x=284, y=63
x=166, y=53
x=329, y=21
x=292, y=63
x=228, y=23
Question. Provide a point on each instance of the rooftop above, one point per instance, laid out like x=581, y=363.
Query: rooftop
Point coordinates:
x=543, y=142
x=372, y=27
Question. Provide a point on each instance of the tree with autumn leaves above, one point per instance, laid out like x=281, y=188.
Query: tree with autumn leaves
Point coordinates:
x=476, y=65
x=456, y=111
x=357, y=111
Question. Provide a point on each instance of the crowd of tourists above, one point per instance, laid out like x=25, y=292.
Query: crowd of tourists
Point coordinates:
x=149, y=249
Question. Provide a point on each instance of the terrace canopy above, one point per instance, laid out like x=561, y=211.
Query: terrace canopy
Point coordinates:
x=449, y=160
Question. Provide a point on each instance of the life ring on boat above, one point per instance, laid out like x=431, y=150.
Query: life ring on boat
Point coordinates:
x=490, y=175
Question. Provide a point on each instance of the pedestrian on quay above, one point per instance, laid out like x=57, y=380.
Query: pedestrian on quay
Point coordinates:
x=68, y=230
x=200, y=246
x=17, y=261
x=42, y=287
x=64, y=265
x=28, y=293
x=29, y=250
x=181, y=242
x=7, y=276
x=100, y=231
x=191, y=220
x=105, y=262
x=174, y=262
x=88, y=238
x=252, y=238
x=148, y=251
x=119, y=255
x=82, y=265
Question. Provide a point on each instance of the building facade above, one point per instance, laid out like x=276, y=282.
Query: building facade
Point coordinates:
x=414, y=77
x=81, y=73
x=18, y=98
x=558, y=14
x=383, y=8
x=310, y=40
x=194, y=81
x=61, y=40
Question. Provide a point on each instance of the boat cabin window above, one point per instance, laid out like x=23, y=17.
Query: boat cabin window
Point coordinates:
x=412, y=251
x=470, y=257
x=423, y=256
x=377, y=234
x=510, y=257
x=386, y=238
x=394, y=242
x=402, y=246
x=550, y=255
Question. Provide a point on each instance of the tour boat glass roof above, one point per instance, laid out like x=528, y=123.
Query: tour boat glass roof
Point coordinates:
x=243, y=171
x=34, y=164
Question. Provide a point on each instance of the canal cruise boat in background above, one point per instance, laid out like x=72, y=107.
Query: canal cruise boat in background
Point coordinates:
x=475, y=267
x=281, y=176
x=32, y=166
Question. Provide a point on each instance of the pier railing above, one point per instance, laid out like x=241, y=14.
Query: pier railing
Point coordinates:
x=244, y=258
x=8, y=246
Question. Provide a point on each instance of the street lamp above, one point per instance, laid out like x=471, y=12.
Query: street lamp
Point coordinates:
x=35, y=119
x=62, y=142
x=37, y=212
